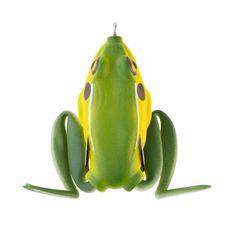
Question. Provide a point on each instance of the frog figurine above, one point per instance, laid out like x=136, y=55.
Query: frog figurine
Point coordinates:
x=116, y=141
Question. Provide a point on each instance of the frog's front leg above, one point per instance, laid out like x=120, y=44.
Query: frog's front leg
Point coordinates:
x=68, y=150
x=160, y=156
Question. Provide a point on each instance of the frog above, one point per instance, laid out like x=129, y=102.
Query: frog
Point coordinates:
x=116, y=141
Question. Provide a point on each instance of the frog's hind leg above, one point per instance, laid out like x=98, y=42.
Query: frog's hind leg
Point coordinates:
x=68, y=150
x=169, y=153
x=152, y=155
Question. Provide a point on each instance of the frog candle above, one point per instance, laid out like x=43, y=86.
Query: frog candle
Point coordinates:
x=116, y=141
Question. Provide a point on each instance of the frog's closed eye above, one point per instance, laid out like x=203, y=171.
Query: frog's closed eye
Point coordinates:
x=132, y=65
x=94, y=66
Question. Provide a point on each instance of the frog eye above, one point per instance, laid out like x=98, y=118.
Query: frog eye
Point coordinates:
x=132, y=65
x=94, y=66
x=140, y=91
x=87, y=91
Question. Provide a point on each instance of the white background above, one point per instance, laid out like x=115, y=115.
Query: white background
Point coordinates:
x=185, y=51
